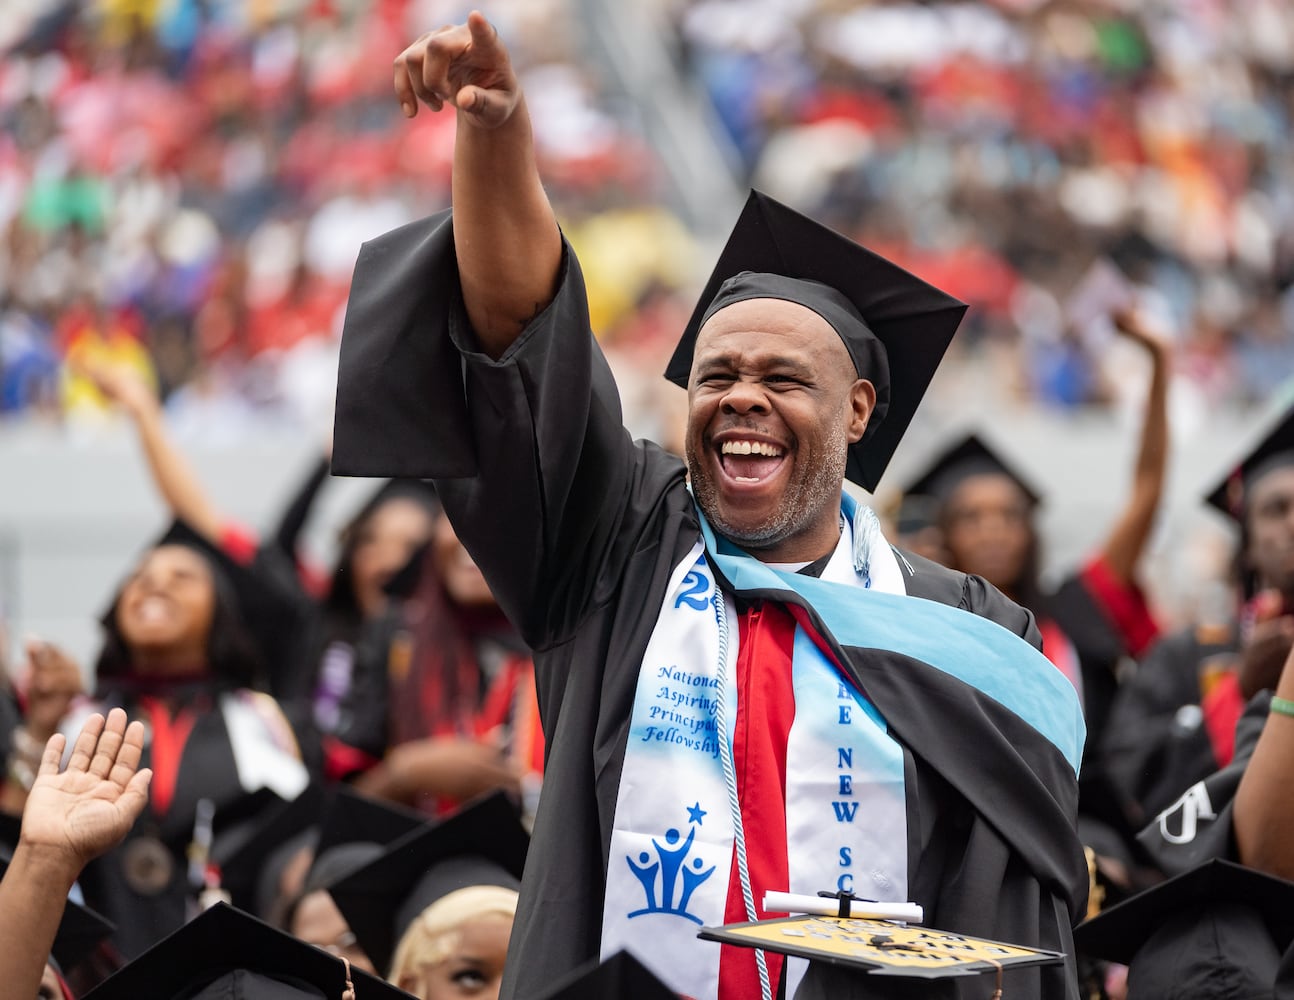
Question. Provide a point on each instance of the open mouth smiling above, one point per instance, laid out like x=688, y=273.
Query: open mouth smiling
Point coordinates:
x=749, y=460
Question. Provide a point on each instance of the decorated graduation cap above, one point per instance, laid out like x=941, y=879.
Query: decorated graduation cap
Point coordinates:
x=621, y=976
x=895, y=326
x=838, y=948
x=968, y=457
x=1220, y=924
x=225, y=954
x=80, y=929
x=483, y=845
x=1274, y=450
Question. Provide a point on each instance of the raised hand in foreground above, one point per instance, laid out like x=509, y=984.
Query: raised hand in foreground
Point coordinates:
x=88, y=807
x=72, y=815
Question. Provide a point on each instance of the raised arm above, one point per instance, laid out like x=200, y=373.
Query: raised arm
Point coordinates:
x=505, y=235
x=1127, y=540
x=174, y=478
x=1264, y=814
x=71, y=817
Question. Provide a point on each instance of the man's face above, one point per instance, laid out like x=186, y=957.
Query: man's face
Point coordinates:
x=773, y=405
x=1270, y=513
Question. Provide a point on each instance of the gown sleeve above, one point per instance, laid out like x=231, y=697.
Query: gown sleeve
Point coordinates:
x=528, y=452
x=1155, y=743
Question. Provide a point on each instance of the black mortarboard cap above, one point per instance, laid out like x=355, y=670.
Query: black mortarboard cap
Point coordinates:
x=351, y=819
x=80, y=929
x=1274, y=448
x=229, y=954
x=484, y=844
x=621, y=976
x=1119, y=933
x=970, y=456
x=903, y=324
x=242, y=857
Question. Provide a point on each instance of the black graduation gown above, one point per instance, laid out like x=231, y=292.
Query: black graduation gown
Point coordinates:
x=577, y=530
x=1099, y=647
x=1226, y=948
x=1155, y=744
x=145, y=914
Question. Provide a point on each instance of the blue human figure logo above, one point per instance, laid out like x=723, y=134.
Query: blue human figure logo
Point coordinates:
x=671, y=864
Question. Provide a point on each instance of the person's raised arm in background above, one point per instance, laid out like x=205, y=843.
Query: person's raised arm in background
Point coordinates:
x=172, y=474
x=72, y=816
x=1124, y=547
x=506, y=238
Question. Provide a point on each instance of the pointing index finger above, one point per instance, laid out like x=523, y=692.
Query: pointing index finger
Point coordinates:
x=484, y=35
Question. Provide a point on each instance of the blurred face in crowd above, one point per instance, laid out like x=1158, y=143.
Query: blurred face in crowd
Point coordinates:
x=317, y=921
x=773, y=404
x=1270, y=526
x=472, y=965
x=384, y=543
x=988, y=530
x=457, y=571
x=165, y=610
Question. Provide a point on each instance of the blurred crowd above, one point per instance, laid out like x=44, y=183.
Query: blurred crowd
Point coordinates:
x=998, y=148
x=184, y=185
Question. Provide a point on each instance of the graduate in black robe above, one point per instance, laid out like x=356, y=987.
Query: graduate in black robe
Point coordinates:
x=485, y=377
x=1215, y=928
x=1098, y=617
x=1173, y=722
x=177, y=656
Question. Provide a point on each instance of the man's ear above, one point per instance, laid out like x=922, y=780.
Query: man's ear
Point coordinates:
x=862, y=400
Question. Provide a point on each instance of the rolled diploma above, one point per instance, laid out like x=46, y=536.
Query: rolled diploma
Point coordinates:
x=828, y=906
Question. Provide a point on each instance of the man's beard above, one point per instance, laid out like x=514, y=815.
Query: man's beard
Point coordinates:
x=805, y=495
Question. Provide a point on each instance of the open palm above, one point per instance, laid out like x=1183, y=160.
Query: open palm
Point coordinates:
x=88, y=807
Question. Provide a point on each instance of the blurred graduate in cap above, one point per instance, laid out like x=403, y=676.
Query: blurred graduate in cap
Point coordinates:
x=345, y=652
x=985, y=512
x=353, y=831
x=455, y=715
x=311, y=628
x=178, y=655
x=1174, y=723
x=435, y=908
x=446, y=681
x=421, y=689
x=701, y=664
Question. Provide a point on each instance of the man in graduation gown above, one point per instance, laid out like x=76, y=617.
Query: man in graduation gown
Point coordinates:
x=719, y=724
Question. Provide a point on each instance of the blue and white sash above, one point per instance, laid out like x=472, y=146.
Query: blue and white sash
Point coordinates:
x=671, y=850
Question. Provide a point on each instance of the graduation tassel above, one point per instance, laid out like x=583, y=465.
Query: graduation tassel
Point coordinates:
x=349, y=992
x=867, y=532
x=997, y=993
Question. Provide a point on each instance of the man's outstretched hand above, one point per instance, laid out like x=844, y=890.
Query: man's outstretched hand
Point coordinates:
x=463, y=65
x=82, y=811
